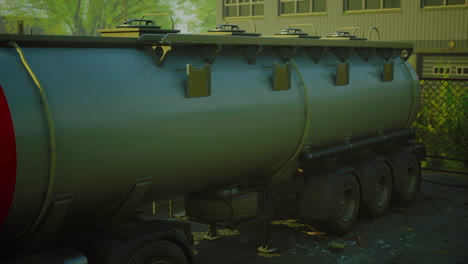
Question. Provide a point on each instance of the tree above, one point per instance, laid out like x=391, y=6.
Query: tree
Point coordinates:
x=77, y=17
x=197, y=15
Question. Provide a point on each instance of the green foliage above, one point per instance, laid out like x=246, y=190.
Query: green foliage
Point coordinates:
x=85, y=17
x=197, y=15
x=442, y=123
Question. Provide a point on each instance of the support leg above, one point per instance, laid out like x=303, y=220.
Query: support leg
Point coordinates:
x=211, y=234
x=266, y=203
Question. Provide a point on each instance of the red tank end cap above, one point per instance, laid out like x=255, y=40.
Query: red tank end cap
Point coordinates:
x=7, y=159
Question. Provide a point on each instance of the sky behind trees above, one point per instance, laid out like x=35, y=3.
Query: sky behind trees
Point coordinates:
x=85, y=17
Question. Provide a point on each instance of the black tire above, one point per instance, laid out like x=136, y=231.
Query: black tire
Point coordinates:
x=379, y=186
x=159, y=252
x=345, y=205
x=410, y=179
x=214, y=209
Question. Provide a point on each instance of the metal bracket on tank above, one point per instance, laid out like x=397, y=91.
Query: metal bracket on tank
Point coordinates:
x=388, y=66
x=48, y=232
x=286, y=53
x=343, y=53
x=282, y=77
x=128, y=208
x=209, y=53
x=316, y=53
x=198, y=81
x=342, y=68
x=366, y=53
x=250, y=54
x=409, y=52
x=161, y=53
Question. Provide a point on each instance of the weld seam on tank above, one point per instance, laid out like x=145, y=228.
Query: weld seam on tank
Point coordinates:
x=52, y=141
x=414, y=89
x=306, y=126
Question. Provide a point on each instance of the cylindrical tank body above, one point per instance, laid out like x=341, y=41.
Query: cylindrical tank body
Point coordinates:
x=120, y=118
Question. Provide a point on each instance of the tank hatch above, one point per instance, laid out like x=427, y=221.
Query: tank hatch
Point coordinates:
x=230, y=30
x=343, y=35
x=130, y=30
x=294, y=33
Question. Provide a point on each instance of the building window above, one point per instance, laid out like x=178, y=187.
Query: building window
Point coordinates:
x=356, y=5
x=462, y=70
x=243, y=8
x=441, y=70
x=288, y=7
x=439, y=3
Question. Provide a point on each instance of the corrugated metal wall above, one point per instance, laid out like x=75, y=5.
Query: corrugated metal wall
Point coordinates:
x=428, y=29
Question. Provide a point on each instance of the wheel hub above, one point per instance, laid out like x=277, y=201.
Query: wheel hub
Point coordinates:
x=410, y=179
x=382, y=190
x=347, y=204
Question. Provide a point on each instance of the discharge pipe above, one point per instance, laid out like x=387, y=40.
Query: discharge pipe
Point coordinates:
x=360, y=144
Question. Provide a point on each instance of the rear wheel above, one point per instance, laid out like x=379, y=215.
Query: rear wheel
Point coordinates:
x=345, y=207
x=159, y=252
x=379, y=191
x=410, y=179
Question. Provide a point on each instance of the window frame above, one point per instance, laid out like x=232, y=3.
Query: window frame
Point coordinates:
x=444, y=5
x=364, y=2
x=462, y=68
x=238, y=5
x=444, y=72
x=311, y=12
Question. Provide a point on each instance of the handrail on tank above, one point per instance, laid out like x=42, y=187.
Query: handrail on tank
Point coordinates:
x=242, y=20
x=295, y=25
x=161, y=14
x=370, y=31
x=354, y=29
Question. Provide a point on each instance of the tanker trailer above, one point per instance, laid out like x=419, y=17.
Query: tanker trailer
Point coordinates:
x=92, y=127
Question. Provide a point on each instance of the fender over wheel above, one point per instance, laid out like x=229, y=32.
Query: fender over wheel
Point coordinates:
x=158, y=252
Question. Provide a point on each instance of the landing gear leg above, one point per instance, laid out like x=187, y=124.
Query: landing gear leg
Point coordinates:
x=266, y=246
x=266, y=209
x=211, y=234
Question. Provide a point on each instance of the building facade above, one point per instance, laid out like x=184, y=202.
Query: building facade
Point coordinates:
x=438, y=28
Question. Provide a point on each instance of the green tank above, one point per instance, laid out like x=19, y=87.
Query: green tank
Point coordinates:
x=181, y=113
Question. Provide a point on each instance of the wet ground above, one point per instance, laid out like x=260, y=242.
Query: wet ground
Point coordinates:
x=432, y=229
